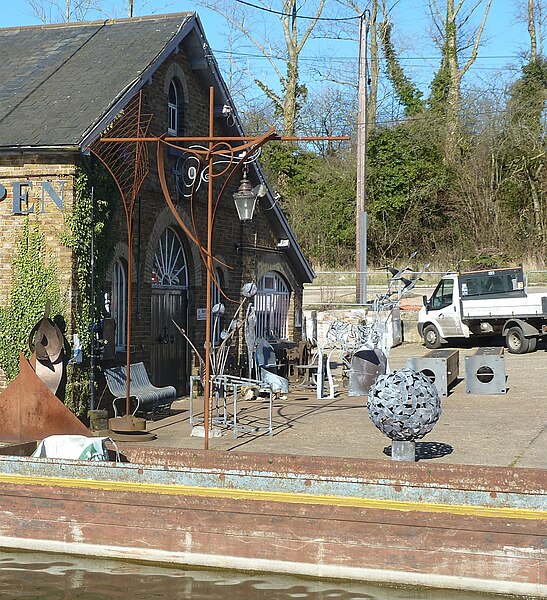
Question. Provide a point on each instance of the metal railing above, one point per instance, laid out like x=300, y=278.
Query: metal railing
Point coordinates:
x=338, y=289
x=539, y=278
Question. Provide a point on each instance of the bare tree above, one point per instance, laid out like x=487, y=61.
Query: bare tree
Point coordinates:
x=56, y=11
x=329, y=112
x=284, y=22
x=454, y=36
x=534, y=13
x=378, y=14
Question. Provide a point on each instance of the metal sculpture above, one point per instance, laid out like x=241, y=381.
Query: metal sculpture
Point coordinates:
x=46, y=341
x=219, y=157
x=30, y=411
x=404, y=405
x=126, y=158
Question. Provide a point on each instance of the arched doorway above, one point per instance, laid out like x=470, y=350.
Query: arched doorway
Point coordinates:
x=169, y=301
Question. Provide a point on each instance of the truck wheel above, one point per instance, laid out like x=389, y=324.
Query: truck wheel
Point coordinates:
x=432, y=339
x=532, y=344
x=516, y=342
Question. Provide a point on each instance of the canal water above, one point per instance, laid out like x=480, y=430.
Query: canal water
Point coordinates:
x=38, y=576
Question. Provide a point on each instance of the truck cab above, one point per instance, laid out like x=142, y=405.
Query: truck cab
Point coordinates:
x=440, y=316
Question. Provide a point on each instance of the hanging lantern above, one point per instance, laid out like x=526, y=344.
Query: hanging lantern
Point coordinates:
x=245, y=198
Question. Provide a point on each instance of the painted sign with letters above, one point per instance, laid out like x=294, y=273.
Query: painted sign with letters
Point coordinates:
x=30, y=196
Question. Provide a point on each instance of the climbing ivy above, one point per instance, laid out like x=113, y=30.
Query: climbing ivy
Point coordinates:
x=34, y=283
x=88, y=211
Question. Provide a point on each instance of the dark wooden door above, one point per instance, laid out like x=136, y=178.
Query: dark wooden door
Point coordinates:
x=169, y=355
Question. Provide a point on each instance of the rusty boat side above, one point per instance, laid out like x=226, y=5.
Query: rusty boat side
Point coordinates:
x=445, y=526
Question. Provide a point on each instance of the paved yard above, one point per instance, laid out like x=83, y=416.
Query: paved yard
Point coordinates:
x=500, y=430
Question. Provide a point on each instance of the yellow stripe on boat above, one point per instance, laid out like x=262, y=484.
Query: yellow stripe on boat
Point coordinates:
x=267, y=496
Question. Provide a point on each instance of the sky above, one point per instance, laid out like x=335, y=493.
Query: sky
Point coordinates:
x=506, y=39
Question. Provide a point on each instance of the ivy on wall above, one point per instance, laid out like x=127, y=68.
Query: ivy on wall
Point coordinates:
x=34, y=282
x=88, y=210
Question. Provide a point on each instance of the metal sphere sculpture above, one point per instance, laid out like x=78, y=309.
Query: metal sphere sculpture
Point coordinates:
x=405, y=404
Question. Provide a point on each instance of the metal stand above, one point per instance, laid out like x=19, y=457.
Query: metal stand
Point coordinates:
x=441, y=366
x=485, y=372
x=403, y=451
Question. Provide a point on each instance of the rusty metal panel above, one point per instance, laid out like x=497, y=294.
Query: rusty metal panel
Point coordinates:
x=328, y=538
x=255, y=479
x=30, y=411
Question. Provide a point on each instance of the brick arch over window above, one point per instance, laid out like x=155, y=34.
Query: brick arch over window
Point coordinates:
x=164, y=220
x=175, y=83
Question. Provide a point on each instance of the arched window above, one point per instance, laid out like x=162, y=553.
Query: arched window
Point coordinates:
x=174, y=110
x=170, y=268
x=272, y=307
x=119, y=303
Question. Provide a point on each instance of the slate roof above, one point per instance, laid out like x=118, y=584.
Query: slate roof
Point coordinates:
x=57, y=81
x=61, y=85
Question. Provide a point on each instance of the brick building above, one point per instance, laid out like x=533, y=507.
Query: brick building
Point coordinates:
x=62, y=86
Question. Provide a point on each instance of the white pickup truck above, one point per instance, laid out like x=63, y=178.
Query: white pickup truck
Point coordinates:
x=484, y=303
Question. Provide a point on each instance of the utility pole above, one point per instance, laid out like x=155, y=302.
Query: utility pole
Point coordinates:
x=361, y=197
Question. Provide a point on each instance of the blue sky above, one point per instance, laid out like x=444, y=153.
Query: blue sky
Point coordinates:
x=506, y=39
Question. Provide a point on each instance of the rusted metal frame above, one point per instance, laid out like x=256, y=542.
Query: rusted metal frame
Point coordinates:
x=193, y=236
x=129, y=218
x=129, y=205
x=211, y=217
x=129, y=229
x=209, y=263
x=278, y=138
x=217, y=146
x=167, y=196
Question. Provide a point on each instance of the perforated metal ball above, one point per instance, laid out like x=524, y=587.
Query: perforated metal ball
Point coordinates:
x=405, y=404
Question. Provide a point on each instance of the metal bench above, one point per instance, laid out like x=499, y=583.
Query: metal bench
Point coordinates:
x=147, y=396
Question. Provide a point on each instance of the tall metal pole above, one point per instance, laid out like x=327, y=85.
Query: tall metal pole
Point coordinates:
x=209, y=279
x=92, y=309
x=361, y=214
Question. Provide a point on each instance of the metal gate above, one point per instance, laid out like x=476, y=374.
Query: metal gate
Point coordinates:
x=169, y=350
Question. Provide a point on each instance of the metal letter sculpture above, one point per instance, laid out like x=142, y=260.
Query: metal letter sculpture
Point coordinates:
x=405, y=404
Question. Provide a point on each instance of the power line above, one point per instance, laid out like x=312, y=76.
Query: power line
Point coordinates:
x=354, y=58
x=464, y=118
x=283, y=14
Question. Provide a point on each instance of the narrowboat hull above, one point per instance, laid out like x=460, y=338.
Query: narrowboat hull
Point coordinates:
x=445, y=526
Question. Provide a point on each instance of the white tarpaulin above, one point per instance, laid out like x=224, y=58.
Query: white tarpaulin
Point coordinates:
x=75, y=447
